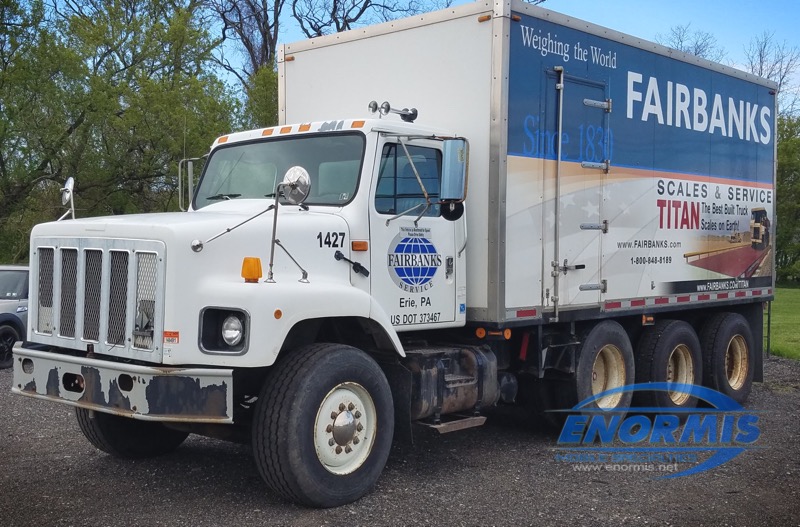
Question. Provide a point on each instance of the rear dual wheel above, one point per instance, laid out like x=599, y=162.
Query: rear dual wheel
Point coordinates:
x=605, y=362
x=668, y=352
x=728, y=355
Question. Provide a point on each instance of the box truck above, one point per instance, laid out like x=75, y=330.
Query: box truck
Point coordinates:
x=540, y=212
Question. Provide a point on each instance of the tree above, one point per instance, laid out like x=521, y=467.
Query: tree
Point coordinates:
x=322, y=17
x=253, y=26
x=777, y=62
x=108, y=92
x=699, y=43
x=787, y=236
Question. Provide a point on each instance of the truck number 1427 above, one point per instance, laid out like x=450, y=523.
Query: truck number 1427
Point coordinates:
x=331, y=239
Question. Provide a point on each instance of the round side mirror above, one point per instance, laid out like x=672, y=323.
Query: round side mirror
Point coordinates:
x=66, y=192
x=452, y=210
x=296, y=185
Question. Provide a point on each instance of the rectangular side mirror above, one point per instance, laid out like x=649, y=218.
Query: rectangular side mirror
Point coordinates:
x=454, y=170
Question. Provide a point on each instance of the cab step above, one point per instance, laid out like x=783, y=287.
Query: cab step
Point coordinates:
x=455, y=422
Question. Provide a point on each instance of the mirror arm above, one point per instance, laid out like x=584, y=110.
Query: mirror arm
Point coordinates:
x=421, y=214
x=197, y=245
x=416, y=174
x=304, y=277
x=270, y=275
x=401, y=214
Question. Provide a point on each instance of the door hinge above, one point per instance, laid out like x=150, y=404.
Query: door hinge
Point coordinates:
x=603, y=105
x=594, y=287
x=603, y=165
x=595, y=226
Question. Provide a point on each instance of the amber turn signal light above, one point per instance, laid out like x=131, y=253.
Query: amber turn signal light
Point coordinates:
x=251, y=269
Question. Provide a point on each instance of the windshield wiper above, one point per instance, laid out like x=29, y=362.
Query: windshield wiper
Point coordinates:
x=223, y=196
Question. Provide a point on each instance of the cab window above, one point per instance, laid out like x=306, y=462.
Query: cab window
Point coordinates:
x=398, y=189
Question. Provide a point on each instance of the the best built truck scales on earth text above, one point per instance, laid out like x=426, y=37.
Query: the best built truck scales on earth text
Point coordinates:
x=545, y=209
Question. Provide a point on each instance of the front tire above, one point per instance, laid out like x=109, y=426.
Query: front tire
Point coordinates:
x=323, y=425
x=127, y=438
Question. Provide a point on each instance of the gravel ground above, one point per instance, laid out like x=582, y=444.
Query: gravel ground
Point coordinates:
x=503, y=473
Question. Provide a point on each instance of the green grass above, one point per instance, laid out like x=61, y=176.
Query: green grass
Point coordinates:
x=785, y=340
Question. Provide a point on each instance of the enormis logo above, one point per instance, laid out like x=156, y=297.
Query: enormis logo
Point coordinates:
x=678, y=442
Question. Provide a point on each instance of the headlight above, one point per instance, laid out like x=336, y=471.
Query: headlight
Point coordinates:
x=224, y=330
x=232, y=330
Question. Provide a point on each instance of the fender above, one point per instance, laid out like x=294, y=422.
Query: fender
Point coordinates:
x=337, y=300
x=274, y=309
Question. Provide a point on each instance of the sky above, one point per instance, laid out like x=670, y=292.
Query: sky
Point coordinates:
x=733, y=22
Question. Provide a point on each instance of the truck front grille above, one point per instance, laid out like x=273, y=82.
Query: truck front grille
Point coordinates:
x=105, y=292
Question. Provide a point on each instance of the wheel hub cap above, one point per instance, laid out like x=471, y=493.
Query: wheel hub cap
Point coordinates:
x=344, y=428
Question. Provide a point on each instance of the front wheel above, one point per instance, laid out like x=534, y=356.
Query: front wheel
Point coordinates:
x=323, y=425
x=127, y=438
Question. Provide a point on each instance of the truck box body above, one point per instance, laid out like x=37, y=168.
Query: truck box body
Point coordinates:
x=638, y=175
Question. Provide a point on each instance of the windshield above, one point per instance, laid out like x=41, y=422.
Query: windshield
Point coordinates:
x=252, y=170
x=13, y=284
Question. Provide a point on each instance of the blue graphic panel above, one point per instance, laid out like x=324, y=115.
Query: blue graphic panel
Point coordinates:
x=667, y=115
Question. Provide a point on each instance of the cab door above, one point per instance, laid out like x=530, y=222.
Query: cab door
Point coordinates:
x=414, y=265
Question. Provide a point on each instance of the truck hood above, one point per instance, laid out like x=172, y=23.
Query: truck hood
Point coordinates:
x=297, y=230
x=153, y=226
x=202, y=224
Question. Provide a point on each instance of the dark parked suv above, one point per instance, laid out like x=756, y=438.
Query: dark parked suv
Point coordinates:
x=13, y=309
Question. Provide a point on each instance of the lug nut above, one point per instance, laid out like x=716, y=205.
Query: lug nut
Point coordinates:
x=351, y=406
x=357, y=415
x=329, y=428
x=347, y=449
x=356, y=440
x=338, y=450
x=360, y=427
x=341, y=407
x=331, y=442
x=334, y=415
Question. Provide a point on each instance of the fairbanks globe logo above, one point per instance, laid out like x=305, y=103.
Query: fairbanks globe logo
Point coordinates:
x=413, y=260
